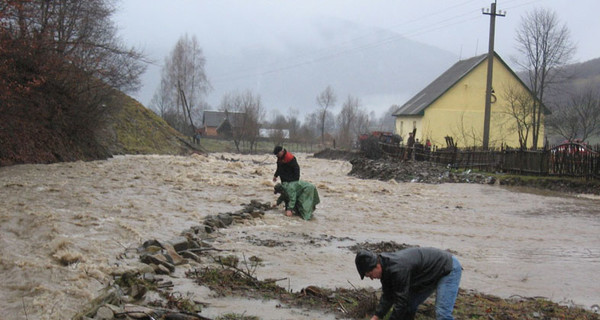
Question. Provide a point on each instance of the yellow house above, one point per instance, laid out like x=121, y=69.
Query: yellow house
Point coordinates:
x=453, y=105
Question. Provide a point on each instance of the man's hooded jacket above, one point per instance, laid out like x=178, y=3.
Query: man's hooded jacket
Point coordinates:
x=287, y=167
x=407, y=272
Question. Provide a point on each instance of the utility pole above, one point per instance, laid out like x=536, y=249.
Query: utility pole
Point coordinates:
x=488, y=90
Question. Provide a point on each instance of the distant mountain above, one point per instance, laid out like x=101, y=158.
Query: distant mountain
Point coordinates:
x=585, y=73
x=378, y=66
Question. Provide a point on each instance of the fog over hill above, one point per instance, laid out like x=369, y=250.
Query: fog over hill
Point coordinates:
x=290, y=67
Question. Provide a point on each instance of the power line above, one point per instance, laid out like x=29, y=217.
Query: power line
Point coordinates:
x=348, y=46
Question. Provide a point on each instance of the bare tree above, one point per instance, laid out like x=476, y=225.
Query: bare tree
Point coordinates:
x=352, y=120
x=246, y=119
x=547, y=48
x=580, y=117
x=387, y=122
x=278, y=126
x=61, y=62
x=183, y=83
x=294, y=124
x=520, y=110
x=161, y=101
x=326, y=100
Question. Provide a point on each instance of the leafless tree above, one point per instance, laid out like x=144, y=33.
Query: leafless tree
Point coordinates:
x=579, y=117
x=61, y=64
x=325, y=100
x=352, y=121
x=294, y=124
x=387, y=122
x=278, y=126
x=546, y=47
x=245, y=114
x=520, y=112
x=74, y=47
x=183, y=83
x=161, y=101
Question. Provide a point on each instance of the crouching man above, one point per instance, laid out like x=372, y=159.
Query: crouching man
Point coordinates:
x=409, y=276
x=300, y=197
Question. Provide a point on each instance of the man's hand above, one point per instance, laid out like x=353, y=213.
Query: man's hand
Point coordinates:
x=374, y=318
x=274, y=179
x=288, y=213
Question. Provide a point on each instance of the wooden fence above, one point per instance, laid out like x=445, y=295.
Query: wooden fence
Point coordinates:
x=569, y=159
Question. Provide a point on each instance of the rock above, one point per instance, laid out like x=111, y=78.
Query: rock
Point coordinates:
x=153, y=242
x=213, y=222
x=137, y=312
x=138, y=291
x=157, y=259
x=180, y=243
x=104, y=313
x=161, y=269
x=191, y=255
x=257, y=214
x=173, y=256
x=153, y=249
x=225, y=219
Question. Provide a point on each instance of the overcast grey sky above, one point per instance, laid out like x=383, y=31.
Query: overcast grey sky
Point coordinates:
x=457, y=26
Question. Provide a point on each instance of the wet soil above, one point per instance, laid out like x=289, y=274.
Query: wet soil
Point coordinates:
x=387, y=168
x=69, y=228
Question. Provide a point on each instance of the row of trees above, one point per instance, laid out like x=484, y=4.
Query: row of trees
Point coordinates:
x=179, y=100
x=321, y=126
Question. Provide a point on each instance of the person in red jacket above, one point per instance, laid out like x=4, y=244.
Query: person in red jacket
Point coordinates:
x=288, y=169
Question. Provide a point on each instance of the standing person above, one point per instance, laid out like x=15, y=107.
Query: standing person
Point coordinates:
x=288, y=169
x=410, y=143
x=409, y=276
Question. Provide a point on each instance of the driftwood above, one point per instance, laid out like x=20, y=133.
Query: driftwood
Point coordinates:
x=110, y=296
x=141, y=312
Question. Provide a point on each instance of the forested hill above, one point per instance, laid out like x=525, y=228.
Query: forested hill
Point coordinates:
x=585, y=73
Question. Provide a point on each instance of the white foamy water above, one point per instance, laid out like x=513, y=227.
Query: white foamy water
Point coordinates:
x=64, y=226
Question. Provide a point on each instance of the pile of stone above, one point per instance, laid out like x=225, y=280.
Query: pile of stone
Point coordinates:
x=413, y=171
x=127, y=297
x=254, y=209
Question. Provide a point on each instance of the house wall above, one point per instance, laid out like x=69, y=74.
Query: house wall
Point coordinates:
x=459, y=112
x=210, y=131
x=405, y=124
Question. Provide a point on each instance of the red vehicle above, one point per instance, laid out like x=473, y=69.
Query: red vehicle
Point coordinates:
x=575, y=147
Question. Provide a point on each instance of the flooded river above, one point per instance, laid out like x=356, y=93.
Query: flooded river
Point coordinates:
x=63, y=227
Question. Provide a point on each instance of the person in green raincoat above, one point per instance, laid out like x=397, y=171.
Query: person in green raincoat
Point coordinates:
x=300, y=197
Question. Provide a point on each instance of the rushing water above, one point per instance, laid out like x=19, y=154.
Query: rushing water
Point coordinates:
x=65, y=226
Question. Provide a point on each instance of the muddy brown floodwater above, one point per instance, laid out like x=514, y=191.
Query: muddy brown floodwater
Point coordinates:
x=63, y=227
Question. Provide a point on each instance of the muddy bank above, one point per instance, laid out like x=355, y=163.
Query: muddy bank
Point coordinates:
x=387, y=168
x=148, y=292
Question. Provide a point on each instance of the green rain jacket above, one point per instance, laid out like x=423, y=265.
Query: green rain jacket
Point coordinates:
x=300, y=196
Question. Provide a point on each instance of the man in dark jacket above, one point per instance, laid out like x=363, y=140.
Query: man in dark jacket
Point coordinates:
x=288, y=169
x=409, y=276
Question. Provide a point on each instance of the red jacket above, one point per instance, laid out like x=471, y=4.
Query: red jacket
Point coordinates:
x=287, y=167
